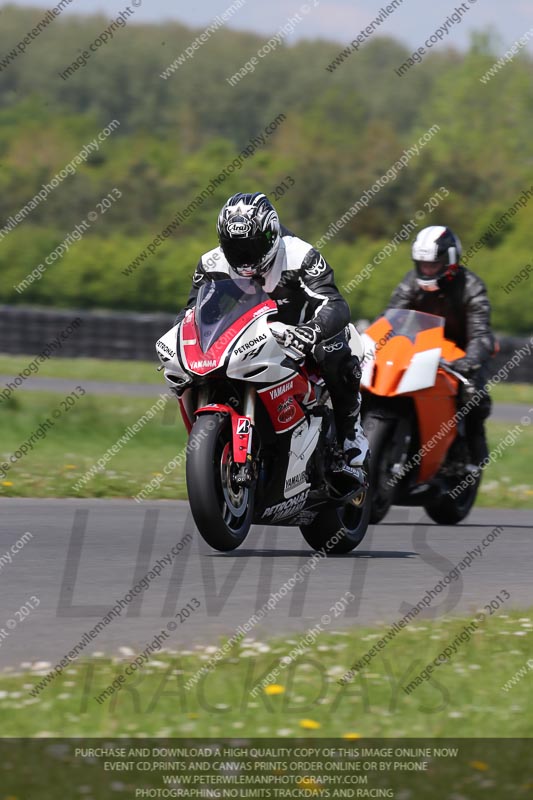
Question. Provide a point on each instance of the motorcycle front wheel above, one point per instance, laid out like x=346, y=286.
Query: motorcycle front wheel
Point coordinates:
x=221, y=509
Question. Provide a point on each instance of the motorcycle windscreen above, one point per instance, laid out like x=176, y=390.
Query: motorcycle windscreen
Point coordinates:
x=221, y=303
x=409, y=323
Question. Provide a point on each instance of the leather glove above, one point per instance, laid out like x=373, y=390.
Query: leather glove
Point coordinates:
x=464, y=365
x=302, y=338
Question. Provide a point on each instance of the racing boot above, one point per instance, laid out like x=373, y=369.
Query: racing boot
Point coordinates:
x=477, y=445
x=355, y=444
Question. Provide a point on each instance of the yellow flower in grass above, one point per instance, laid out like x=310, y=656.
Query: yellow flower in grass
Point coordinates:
x=309, y=724
x=70, y=466
x=351, y=736
x=7, y=483
x=310, y=784
x=480, y=765
x=274, y=688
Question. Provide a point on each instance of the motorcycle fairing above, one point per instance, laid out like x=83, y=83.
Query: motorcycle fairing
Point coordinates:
x=283, y=401
x=241, y=429
x=406, y=364
x=198, y=362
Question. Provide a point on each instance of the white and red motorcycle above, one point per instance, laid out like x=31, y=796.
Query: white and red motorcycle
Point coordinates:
x=262, y=445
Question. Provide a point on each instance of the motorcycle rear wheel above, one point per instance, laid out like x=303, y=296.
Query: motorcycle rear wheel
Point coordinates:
x=337, y=530
x=221, y=510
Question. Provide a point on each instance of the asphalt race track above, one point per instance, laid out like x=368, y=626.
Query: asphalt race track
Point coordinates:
x=86, y=554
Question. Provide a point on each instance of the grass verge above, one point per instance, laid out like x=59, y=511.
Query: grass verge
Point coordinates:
x=464, y=697
x=89, y=369
x=83, y=434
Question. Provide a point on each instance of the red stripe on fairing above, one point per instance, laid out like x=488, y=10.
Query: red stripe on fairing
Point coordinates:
x=214, y=358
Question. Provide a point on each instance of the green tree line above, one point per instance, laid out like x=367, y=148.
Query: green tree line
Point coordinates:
x=342, y=131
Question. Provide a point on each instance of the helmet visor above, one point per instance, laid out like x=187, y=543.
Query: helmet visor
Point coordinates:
x=431, y=270
x=246, y=252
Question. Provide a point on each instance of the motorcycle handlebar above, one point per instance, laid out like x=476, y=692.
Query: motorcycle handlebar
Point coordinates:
x=296, y=355
x=444, y=365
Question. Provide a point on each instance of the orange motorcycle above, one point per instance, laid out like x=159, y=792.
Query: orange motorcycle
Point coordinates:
x=419, y=453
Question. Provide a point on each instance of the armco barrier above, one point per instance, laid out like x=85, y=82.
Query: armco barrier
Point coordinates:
x=102, y=334
x=130, y=335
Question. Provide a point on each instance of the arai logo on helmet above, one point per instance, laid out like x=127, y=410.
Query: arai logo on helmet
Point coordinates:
x=239, y=227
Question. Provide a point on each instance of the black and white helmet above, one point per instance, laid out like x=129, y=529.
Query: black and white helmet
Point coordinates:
x=249, y=233
x=436, y=244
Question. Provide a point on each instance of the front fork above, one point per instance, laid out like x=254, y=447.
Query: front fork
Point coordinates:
x=242, y=426
x=247, y=472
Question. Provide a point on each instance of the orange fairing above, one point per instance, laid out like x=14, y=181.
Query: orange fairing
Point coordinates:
x=436, y=404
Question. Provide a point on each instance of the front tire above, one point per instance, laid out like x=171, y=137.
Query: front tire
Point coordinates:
x=221, y=510
x=378, y=433
x=339, y=529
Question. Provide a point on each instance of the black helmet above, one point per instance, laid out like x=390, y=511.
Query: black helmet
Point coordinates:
x=249, y=233
x=437, y=245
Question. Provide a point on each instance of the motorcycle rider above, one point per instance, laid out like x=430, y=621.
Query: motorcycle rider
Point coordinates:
x=253, y=244
x=439, y=285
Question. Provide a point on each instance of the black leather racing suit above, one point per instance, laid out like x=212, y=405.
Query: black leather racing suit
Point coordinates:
x=303, y=286
x=464, y=304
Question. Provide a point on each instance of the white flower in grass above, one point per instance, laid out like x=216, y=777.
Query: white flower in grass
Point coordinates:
x=455, y=714
x=520, y=633
x=126, y=651
x=337, y=670
x=41, y=665
x=2, y=694
x=284, y=732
